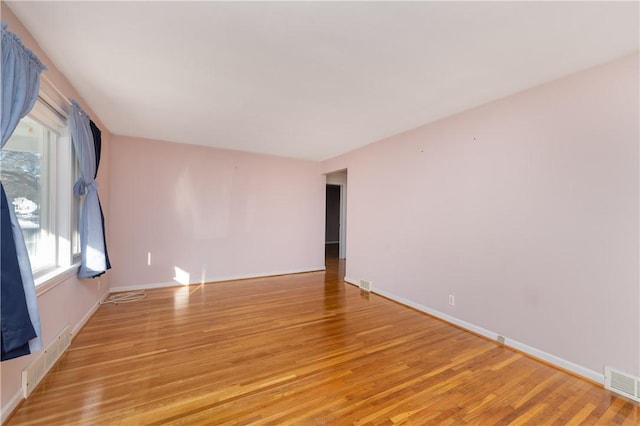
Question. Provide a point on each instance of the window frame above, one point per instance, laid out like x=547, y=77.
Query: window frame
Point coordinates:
x=52, y=111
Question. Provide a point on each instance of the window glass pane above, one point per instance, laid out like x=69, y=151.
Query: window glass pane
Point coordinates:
x=75, y=210
x=24, y=171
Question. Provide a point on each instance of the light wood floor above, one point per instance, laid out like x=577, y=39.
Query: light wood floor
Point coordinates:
x=301, y=349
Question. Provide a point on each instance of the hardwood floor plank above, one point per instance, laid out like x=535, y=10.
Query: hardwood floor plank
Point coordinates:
x=301, y=349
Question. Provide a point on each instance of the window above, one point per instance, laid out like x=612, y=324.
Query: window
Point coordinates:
x=37, y=169
x=75, y=212
x=25, y=174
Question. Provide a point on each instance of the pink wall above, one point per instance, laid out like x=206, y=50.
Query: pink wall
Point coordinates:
x=526, y=209
x=186, y=206
x=72, y=300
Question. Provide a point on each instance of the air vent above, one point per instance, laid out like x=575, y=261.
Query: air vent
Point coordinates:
x=365, y=285
x=38, y=368
x=622, y=383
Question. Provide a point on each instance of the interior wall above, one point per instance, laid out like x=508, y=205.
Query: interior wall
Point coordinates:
x=337, y=178
x=525, y=209
x=213, y=214
x=72, y=300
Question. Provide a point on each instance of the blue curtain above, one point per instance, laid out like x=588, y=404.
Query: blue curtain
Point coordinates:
x=97, y=143
x=19, y=317
x=92, y=237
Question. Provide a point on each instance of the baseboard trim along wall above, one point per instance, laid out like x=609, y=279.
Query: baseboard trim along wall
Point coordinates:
x=88, y=315
x=115, y=289
x=11, y=405
x=13, y=402
x=522, y=347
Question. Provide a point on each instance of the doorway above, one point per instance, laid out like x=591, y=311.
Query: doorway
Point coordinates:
x=336, y=215
x=332, y=221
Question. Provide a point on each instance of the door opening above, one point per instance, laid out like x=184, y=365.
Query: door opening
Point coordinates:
x=336, y=214
x=332, y=221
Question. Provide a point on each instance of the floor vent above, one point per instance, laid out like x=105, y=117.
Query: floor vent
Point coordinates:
x=365, y=285
x=39, y=367
x=622, y=383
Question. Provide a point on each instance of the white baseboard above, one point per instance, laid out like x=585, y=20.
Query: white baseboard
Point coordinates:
x=534, y=352
x=88, y=315
x=115, y=289
x=10, y=405
x=351, y=281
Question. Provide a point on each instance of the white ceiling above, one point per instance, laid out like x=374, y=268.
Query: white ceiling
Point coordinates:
x=313, y=79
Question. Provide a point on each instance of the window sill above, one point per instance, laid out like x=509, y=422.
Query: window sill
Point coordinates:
x=55, y=277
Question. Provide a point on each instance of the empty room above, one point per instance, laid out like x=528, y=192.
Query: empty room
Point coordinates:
x=320, y=213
